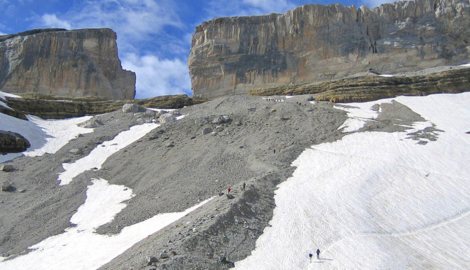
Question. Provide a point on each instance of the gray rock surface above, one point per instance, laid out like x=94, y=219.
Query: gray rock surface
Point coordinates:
x=82, y=63
x=315, y=43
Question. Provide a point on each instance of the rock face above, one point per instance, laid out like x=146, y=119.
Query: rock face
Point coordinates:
x=57, y=62
x=317, y=43
x=11, y=142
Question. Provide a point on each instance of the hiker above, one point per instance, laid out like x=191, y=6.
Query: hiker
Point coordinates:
x=318, y=254
x=310, y=255
x=228, y=189
x=243, y=186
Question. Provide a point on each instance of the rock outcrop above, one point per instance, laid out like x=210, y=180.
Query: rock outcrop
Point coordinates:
x=11, y=142
x=373, y=87
x=317, y=43
x=49, y=107
x=77, y=63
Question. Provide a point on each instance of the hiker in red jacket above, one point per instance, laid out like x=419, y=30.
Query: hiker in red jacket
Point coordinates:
x=228, y=189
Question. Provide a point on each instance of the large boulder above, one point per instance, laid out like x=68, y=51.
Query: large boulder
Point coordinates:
x=11, y=142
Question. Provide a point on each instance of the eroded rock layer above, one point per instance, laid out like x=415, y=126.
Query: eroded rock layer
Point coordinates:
x=77, y=63
x=317, y=43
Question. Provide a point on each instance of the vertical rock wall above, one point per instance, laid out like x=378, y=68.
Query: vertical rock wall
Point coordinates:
x=316, y=43
x=73, y=63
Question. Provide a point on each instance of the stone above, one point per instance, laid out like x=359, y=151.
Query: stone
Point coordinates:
x=206, y=131
x=314, y=43
x=152, y=260
x=92, y=123
x=7, y=187
x=75, y=63
x=7, y=168
x=164, y=256
x=132, y=108
x=75, y=151
x=11, y=142
x=166, y=118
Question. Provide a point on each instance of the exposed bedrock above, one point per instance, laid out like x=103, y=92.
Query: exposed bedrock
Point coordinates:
x=315, y=43
x=77, y=63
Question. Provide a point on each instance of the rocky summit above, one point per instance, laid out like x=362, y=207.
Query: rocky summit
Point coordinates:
x=77, y=63
x=315, y=43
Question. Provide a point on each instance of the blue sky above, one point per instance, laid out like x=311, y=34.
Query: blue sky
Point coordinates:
x=154, y=36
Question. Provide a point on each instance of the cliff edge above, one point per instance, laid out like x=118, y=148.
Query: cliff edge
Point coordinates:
x=76, y=63
x=314, y=43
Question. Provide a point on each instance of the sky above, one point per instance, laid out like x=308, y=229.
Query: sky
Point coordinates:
x=154, y=36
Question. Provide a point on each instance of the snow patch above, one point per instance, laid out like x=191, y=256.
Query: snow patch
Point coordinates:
x=375, y=200
x=100, y=154
x=80, y=247
x=45, y=136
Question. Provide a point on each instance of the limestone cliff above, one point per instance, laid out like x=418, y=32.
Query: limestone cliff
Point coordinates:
x=317, y=43
x=57, y=62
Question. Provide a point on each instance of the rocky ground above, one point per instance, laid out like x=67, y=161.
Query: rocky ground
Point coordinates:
x=218, y=144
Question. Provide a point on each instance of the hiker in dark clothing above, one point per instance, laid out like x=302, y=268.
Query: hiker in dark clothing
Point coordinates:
x=318, y=254
x=310, y=255
x=243, y=186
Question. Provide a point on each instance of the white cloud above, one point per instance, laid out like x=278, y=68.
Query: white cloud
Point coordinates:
x=375, y=3
x=158, y=77
x=269, y=6
x=51, y=20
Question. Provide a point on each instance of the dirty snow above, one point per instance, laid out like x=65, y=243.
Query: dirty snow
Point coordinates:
x=80, y=247
x=377, y=200
x=98, y=156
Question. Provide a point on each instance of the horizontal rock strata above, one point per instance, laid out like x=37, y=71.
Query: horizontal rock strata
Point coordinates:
x=373, y=87
x=315, y=43
x=57, y=62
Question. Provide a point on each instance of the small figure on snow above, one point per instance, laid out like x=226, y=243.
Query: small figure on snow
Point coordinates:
x=310, y=255
x=228, y=189
x=318, y=254
x=243, y=186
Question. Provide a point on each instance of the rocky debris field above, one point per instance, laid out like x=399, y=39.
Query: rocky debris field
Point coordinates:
x=218, y=144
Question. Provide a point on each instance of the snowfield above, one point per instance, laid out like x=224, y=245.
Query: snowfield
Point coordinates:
x=377, y=200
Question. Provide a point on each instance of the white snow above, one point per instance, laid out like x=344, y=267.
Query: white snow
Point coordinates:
x=3, y=95
x=359, y=114
x=386, y=75
x=45, y=136
x=377, y=200
x=80, y=247
x=465, y=65
x=98, y=156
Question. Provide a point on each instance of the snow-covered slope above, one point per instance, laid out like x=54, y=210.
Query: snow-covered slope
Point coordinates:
x=377, y=200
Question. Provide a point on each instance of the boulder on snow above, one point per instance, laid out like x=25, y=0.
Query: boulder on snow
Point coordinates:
x=164, y=255
x=132, y=108
x=11, y=142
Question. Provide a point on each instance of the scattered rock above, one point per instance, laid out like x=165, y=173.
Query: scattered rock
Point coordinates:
x=151, y=260
x=7, y=168
x=92, y=123
x=164, y=256
x=75, y=151
x=230, y=196
x=165, y=118
x=206, y=131
x=132, y=108
x=7, y=187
